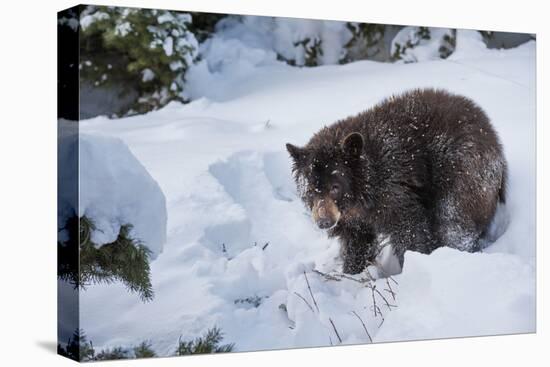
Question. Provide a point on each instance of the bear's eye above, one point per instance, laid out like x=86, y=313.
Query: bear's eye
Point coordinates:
x=335, y=189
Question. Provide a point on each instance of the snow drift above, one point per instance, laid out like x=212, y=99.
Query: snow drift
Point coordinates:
x=114, y=190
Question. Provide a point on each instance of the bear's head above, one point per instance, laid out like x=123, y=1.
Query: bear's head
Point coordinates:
x=330, y=177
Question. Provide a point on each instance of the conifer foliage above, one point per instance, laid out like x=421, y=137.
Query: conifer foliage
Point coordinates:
x=145, y=50
x=125, y=260
x=113, y=354
x=413, y=44
x=144, y=350
x=78, y=347
x=209, y=343
x=365, y=42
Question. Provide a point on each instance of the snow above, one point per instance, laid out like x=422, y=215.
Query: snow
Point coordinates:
x=147, y=75
x=501, y=301
x=67, y=157
x=115, y=190
x=468, y=42
x=70, y=22
x=238, y=235
x=168, y=46
x=122, y=29
x=174, y=38
x=165, y=17
x=87, y=20
x=424, y=49
x=263, y=38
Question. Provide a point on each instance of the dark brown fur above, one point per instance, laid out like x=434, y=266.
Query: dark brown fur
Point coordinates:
x=425, y=168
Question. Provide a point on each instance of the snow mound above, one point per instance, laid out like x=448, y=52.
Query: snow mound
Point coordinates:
x=67, y=161
x=115, y=190
x=468, y=43
x=243, y=44
x=448, y=294
x=288, y=37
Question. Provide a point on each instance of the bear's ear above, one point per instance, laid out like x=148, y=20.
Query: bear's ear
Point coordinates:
x=353, y=144
x=298, y=154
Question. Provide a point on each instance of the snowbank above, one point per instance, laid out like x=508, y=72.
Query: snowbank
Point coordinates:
x=288, y=37
x=446, y=294
x=241, y=44
x=67, y=182
x=115, y=190
x=468, y=43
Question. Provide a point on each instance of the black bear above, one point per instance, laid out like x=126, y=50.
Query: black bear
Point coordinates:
x=417, y=171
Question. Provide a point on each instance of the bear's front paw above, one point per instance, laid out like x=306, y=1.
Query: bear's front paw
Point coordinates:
x=353, y=267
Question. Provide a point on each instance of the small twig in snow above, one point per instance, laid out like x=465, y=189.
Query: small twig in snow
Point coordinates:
x=390, y=290
x=306, y=302
x=381, y=322
x=360, y=280
x=264, y=246
x=327, y=276
x=384, y=298
x=311, y=293
x=339, y=276
x=362, y=323
x=336, y=331
x=374, y=306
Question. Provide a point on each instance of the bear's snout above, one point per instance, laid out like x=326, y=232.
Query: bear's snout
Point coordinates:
x=325, y=223
x=325, y=213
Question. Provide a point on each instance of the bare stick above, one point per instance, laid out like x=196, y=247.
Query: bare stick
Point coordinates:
x=381, y=322
x=390, y=290
x=306, y=302
x=339, y=276
x=376, y=309
x=360, y=280
x=327, y=276
x=374, y=306
x=311, y=293
x=362, y=323
x=336, y=331
x=384, y=298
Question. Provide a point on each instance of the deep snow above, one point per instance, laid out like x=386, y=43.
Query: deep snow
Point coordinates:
x=236, y=229
x=115, y=190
